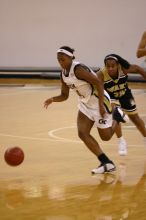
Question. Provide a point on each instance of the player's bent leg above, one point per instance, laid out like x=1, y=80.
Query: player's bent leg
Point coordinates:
x=84, y=125
x=105, y=133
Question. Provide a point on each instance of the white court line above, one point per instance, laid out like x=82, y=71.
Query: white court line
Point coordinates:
x=14, y=93
x=54, y=137
x=57, y=138
x=25, y=137
x=26, y=89
x=51, y=134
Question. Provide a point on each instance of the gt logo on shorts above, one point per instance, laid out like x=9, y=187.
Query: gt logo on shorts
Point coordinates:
x=102, y=121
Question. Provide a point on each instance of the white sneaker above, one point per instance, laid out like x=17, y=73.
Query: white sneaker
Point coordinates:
x=104, y=168
x=122, y=148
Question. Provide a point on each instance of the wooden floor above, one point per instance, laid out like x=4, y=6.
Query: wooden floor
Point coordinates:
x=54, y=181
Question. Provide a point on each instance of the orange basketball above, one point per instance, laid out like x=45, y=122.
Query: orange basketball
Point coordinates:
x=14, y=156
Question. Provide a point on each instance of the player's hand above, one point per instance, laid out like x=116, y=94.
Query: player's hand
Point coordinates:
x=102, y=111
x=48, y=102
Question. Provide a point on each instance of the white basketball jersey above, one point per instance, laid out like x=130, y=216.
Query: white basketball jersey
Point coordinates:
x=84, y=89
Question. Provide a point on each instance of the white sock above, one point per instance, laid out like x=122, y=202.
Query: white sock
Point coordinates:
x=121, y=139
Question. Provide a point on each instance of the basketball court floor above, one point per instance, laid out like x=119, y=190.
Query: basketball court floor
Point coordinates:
x=54, y=181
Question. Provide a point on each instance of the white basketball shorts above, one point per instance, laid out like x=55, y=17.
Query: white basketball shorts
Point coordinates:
x=94, y=115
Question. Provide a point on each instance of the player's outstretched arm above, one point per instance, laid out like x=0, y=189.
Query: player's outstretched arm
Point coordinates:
x=60, y=98
x=136, y=69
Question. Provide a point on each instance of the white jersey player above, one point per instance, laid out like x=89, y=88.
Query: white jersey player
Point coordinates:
x=94, y=105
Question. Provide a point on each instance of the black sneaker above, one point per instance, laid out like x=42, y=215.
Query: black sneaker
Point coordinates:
x=119, y=115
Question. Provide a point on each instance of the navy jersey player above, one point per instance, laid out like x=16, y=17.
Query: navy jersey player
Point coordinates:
x=114, y=76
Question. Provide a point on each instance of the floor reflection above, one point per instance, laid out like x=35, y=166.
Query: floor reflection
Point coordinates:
x=109, y=199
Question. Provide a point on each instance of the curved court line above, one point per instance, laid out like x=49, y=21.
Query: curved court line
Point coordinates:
x=55, y=138
x=52, y=135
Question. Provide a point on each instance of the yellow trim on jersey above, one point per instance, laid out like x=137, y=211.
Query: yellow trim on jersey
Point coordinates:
x=106, y=76
x=133, y=112
x=107, y=103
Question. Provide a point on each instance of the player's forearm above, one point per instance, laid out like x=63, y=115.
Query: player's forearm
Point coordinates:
x=139, y=70
x=59, y=98
x=100, y=93
x=141, y=53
